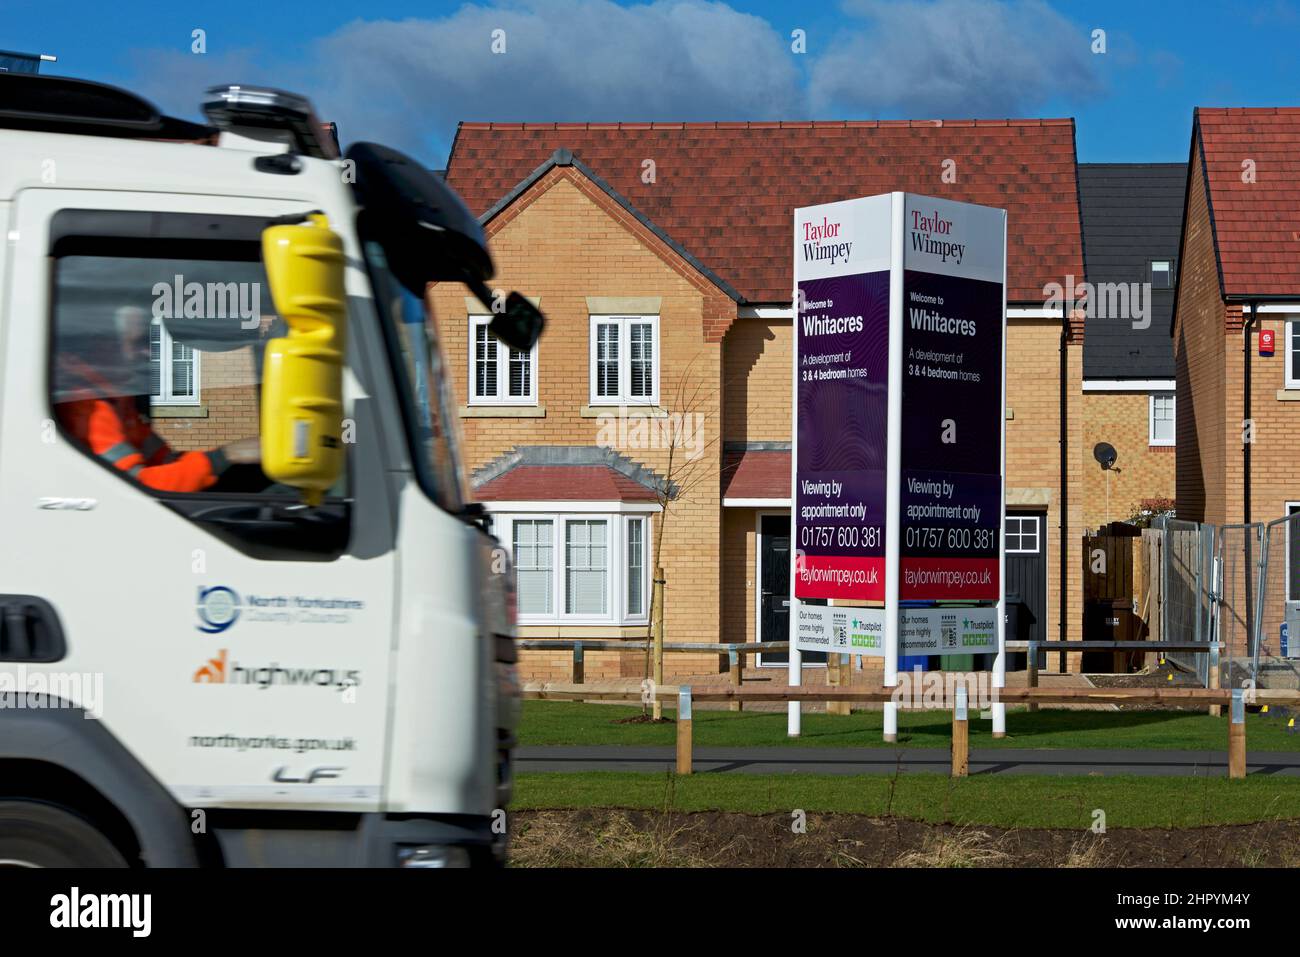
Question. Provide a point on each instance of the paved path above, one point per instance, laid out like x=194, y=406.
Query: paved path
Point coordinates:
x=782, y=760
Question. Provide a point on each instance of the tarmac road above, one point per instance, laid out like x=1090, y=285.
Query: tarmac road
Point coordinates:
x=784, y=760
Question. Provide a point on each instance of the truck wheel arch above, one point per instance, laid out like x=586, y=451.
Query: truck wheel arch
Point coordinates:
x=51, y=732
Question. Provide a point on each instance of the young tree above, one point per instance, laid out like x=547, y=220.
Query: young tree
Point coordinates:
x=686, y=470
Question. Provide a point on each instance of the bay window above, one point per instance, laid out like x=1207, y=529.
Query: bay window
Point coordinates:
x=580, y=567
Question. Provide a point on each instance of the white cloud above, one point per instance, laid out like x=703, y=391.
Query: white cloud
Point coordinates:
x=407, y=83
x=954, y=58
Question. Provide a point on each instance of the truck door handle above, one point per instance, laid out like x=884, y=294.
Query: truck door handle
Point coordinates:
x=30, y=630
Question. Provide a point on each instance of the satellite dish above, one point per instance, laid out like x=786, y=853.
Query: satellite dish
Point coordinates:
x=1105, y=453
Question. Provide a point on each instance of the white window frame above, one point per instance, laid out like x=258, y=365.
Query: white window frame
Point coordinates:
x=647, y=552
x=616, y=518
x=1291, y=337
x=1151, y=419
x=624, y=396
x=1290, y=508
x=508, y=530
x=1038, y=534
x=165, y=396
x=503, y=396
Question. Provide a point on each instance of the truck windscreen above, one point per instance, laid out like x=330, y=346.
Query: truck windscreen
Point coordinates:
x=428, y=405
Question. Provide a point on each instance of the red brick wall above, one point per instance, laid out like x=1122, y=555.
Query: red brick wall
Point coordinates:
x=1200, y=354
x=228, y=387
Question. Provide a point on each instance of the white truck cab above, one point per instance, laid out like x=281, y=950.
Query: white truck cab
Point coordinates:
x=247, y=616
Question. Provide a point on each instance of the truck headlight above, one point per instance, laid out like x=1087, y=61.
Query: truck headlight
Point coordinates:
x=432, y=855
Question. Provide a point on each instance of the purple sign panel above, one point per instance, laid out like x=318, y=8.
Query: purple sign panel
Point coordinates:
x=951, y=441
x=842, y=367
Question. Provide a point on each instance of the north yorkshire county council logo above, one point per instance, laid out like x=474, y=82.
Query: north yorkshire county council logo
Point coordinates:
x=218, y=609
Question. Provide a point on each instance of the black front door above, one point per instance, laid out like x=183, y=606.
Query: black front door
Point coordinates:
x=1026, y=551
x=774, y=589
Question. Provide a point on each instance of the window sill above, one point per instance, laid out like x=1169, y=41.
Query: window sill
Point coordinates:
x=1161, y=446
x=1288, y=395
x=562, y=624
x=178, y=412
x=503, y=411
x=596, y=411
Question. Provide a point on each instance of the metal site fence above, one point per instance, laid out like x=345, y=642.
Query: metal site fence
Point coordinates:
x=1187, y=555
x=1234, y=588
x=1275, y=659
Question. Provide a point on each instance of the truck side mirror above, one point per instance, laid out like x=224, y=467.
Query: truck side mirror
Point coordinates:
x=520, y=325
x=302, y=373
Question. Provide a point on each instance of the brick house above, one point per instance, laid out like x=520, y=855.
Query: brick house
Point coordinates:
x=660, y=254
x=1239, y=279
x=1132, y=218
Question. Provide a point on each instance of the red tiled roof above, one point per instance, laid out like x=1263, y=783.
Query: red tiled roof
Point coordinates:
x=563, y=483
x=1256, y=223
x=756, y=473
x=726, y=191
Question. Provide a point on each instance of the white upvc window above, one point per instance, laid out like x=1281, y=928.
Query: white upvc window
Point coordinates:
x=173, y=369
x=499, y=375
x=637, y=591
x=1292, y=358
x=1160, y=419
x=532, y=546
x=624, y=360
x=579, y=568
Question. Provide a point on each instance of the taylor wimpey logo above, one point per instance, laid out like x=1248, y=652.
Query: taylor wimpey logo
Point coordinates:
x=222, y=671
x=933, y=235
x=822, y=242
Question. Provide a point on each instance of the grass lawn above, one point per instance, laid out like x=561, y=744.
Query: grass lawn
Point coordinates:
x=1001, y=801
x=574, y=722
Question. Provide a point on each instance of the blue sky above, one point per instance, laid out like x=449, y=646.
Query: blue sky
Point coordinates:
x=404, y=72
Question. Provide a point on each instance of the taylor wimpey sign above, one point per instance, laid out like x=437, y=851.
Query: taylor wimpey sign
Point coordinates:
x=842, y=380
x=945, y=263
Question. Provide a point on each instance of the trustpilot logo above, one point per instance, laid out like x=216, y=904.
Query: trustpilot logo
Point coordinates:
x=218, y=608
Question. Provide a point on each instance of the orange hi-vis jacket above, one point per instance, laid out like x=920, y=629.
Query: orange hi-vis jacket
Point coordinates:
x=118, y=432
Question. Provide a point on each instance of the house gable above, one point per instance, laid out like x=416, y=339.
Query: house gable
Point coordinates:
x=563, y=166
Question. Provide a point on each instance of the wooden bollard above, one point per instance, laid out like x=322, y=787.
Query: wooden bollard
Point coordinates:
x=734, y=660
x=579, y=667
x=839, y=677
x=960, y=736
x=1031, y=664
x=684, y=730
x=1237, y=736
